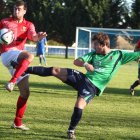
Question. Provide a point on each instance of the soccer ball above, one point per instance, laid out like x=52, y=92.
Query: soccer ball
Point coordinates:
x=6, y=36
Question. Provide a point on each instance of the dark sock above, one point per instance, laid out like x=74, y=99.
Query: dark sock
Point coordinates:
x=135, y=84
x=76, y=117
x=39, y=70
x=40, y=60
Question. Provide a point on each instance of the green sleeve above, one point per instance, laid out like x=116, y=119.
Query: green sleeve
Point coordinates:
x=129, y=56
x=87, y=57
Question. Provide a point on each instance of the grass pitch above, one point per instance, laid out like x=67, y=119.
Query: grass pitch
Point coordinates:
x=113, y=116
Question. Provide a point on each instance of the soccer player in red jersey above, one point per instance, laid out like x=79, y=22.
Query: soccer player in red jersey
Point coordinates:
x=15, y=52
x=137, y=82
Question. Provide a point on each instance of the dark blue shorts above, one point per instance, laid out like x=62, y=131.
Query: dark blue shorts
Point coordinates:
x=82, y=84
x=40, y=51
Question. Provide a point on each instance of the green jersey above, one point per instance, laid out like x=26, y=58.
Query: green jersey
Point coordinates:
x=105, y=66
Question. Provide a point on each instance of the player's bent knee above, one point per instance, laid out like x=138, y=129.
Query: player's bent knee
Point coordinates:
x=31, y=57
x=55, y=71
x=81, y=103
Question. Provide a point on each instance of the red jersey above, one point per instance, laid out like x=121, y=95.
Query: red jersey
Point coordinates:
x=21, y=31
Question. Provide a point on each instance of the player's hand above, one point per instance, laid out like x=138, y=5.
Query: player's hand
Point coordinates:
x=41, y=35
x=89, y=67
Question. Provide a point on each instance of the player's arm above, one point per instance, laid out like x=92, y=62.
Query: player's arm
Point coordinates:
x=81, y=63
x=129, y=56
x=32, y=35
x=39, y=36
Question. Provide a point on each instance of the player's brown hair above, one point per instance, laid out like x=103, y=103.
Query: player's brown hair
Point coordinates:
x=21, y=3
x=102, y=38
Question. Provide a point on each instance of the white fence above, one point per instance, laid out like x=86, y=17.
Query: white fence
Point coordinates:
x=52, y=50
x=58, y=50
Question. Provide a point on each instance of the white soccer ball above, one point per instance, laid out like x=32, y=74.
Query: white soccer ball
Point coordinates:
x=6, y=36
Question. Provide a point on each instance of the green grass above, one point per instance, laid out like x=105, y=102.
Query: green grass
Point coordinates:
x=113, y=116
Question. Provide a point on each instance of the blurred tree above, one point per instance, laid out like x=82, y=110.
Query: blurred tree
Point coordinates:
x=108, y=13
x=135, y=14
x=37, y=13
x=59, y=18
x=116, y=12
x=96, y=10
x=2, y=8
x=65, y=18
x=5, y=8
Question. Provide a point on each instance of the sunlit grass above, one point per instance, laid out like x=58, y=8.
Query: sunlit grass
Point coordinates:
x=113, y=116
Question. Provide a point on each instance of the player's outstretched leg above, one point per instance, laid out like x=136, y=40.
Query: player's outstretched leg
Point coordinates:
x=60, y=73
x=40, y=70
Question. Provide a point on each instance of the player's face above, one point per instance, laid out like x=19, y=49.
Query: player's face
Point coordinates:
x=98, y=47
x=19, y=12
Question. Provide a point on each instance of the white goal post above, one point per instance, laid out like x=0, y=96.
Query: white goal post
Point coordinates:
x=119, y=38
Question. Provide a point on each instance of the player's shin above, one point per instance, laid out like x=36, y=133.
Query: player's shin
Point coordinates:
x=39, y=70
x=76, y=117
x=20, y=70
x=135, y=84
x=21, y=107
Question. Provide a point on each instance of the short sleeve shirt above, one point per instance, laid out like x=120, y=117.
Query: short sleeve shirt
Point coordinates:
x=105, y=66
x=22, y=31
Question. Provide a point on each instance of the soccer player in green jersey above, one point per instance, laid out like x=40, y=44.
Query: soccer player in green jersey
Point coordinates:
x=137, y=82
x=101, y=65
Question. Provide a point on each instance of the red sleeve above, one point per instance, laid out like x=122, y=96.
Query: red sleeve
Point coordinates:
x=31, y=31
